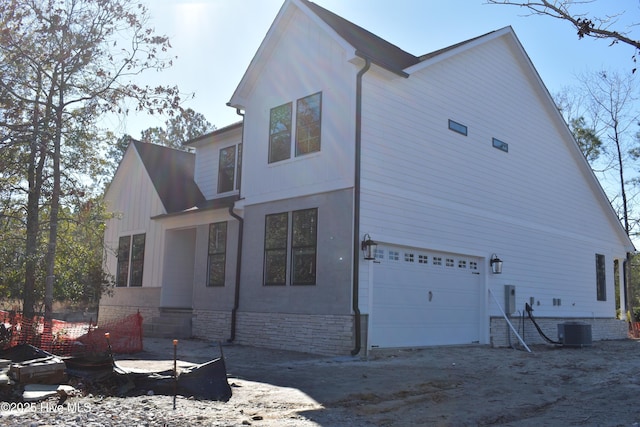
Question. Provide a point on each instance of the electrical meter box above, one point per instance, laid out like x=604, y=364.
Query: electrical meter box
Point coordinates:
x=509, y=299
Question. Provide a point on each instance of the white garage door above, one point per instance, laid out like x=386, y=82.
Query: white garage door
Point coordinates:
x=425, y=298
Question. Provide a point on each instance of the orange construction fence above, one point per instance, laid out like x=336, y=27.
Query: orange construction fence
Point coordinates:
x=71, y=339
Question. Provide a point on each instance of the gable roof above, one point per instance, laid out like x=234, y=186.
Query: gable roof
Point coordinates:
x=367, y=44
x=171, y=171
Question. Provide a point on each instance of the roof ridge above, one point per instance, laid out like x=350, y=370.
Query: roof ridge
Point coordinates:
x=374, y=47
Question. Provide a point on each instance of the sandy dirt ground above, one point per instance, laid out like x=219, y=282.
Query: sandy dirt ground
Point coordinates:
x=443, y=386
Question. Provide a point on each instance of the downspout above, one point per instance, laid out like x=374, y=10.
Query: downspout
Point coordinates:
x=356, y=209
x=236, y=297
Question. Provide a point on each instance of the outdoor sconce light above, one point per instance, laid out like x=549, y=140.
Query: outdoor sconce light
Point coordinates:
x=368, y=247
x=496, y=264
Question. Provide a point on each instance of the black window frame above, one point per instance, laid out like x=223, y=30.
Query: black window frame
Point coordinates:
x=217, y=254
x=227, y=169
x=458, y=127
x=304, y=247
x=275, y=249
x=130, y=260
x=307, y=124
x=601, y=278
x=280, y=131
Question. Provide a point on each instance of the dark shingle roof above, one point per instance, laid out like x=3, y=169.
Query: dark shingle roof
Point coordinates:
x=172, y=174
x=378, y=50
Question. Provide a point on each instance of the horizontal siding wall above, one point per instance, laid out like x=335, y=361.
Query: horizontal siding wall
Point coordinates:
x=208, y=159
x=304, y=62
x=426, y=186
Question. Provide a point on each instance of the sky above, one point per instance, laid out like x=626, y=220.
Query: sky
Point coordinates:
x=215, y=40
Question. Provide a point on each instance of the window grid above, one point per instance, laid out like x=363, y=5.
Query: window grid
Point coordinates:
x=423, y=259
x=275, y=249
x=408, y=257
x=217, y=254
x=304, y=246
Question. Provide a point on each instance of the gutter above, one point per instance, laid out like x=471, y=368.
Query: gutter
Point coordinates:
x=236, y=296
x=356, y=209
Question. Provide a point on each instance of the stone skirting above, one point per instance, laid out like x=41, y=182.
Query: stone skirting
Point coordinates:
x=601, y=329
x=211, y=325
x=319, y=334
x=121, y=302
x=109, y=313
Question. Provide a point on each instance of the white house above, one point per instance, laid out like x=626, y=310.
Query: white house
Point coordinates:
x=444, y=160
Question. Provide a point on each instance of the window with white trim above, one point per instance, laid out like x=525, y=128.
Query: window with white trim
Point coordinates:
x=307, y=131
x=229, y=168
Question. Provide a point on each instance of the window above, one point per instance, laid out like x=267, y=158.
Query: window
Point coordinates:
x=303, y=247
x=457, y=127
x=280, y=133
x=500, y=145
x=308, y=124
x=307, y=130
x=408, y=257
x=275, y=249
x=601, y=283
x=217, y=254
x=229, y=168
x=303, y=242
x=130, y=260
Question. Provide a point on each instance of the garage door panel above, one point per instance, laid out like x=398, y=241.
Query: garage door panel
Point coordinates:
x=435, y=301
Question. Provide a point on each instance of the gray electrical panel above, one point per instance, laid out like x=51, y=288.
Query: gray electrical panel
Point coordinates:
x=509, y=299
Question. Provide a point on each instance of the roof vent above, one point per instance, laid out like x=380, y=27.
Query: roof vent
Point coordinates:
x=574, y=334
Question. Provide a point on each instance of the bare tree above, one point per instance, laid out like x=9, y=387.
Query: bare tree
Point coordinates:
x=64, y=63
x=597, y=27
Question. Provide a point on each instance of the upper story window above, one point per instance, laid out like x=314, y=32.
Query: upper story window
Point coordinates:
x=308, y=124
x=229, y=168
x=130, y=260
x=307, y=128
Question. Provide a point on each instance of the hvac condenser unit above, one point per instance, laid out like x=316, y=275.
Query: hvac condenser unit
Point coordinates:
x=574, y=334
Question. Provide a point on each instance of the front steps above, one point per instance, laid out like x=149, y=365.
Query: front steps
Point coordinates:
x=172, y=323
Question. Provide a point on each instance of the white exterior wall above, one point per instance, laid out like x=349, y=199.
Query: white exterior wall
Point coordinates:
x=208, y=161
x=304, y=62
x=132, y=199
x=426, y=186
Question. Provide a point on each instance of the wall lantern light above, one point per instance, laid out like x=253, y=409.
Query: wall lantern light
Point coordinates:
x=368, y=247
x=496, y=264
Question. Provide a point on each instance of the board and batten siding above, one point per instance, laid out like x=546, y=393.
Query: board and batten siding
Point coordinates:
x=426, y=186
x=132, y=199
x=305, y=62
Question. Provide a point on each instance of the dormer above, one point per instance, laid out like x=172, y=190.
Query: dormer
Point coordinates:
x=219, y=161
